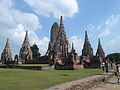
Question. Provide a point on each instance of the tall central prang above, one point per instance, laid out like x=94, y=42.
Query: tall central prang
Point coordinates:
x=58, y=47
x=61, y=44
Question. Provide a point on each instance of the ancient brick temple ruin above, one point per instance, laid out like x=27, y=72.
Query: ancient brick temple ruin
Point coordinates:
x=100, y=54
x=91, y=61
x=25, y=51
x=58, y=49
x=6, y=55
x=87, y=52
x=60, y=53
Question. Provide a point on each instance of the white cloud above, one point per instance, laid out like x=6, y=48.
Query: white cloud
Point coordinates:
x=105, y=33
x=13, y=25
x=6, y=20
x=41, y=42
x=108, y=31
x=90, y=27
x=108, y=25
x=78, y=43
x=55, y=8
x=14, y=22
x=17, y=36
x=104, y=29
x=29, y=20
x=112, y=20
x=11, y=17
x=113, y=45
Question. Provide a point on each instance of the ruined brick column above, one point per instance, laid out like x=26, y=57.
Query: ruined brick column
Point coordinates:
x=25, y=51
x=6, y=55
x=87, y=51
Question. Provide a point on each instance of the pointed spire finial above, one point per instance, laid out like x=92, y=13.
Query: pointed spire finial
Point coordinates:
x=26, y=31
x=61, y=20
x=100, y=51
x=72, y=46
x=7, y=45
x=26, y=35
x=86, y=36
x=99, y=41
x=6, y=52
x=26, y=40
x=7, y=39
x=73, y=50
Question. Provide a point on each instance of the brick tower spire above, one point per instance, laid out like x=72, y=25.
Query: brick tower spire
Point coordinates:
x=58, y=45
x=6, y=54
x=72, y=50
x=100, y=52
x=25, y=52
x=62, y=42
x=54, y=33
x=53, y=38
x=87, y=49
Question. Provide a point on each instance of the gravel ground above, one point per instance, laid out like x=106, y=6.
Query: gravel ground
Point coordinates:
x=67, y=85
x=110, y=85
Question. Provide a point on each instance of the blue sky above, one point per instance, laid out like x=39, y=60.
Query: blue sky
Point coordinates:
x=101, y=18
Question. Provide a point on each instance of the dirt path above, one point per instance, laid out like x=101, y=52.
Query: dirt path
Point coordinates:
x=81, y=84
x=110, y=85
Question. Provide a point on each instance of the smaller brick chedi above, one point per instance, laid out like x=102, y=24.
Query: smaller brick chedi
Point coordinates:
x=6, y=55
x=87, y=52
x=25, y=51
x=100, y=54
x=90, y=60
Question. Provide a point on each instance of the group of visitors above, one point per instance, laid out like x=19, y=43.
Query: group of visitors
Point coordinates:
x=105, y=65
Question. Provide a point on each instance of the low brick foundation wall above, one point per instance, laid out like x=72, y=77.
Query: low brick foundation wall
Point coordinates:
x=28, y=67
x=22, y=67
x=82, y=84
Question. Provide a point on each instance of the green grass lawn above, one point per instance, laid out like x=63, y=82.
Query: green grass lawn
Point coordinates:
x=18, y=79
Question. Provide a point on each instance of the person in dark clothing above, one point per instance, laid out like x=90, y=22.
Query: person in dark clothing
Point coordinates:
x=106, y=67
x=103, y=66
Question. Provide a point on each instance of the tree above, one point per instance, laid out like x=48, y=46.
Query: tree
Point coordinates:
x=114, y=57
x=35, y=52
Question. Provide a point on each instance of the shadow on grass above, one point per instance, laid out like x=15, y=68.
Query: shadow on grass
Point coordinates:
x=65, y=75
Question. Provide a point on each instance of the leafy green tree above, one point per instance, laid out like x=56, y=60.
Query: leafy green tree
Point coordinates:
x=35, y=51
x=114, y=57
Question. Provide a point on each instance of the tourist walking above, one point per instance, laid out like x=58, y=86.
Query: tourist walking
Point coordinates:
x=117, y=72
x=106, y=65
x=103, y=66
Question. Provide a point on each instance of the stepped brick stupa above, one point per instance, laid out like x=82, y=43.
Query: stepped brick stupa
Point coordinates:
x=6, y=55
x=87, y=51
x=25, y=52
x=100, y=54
